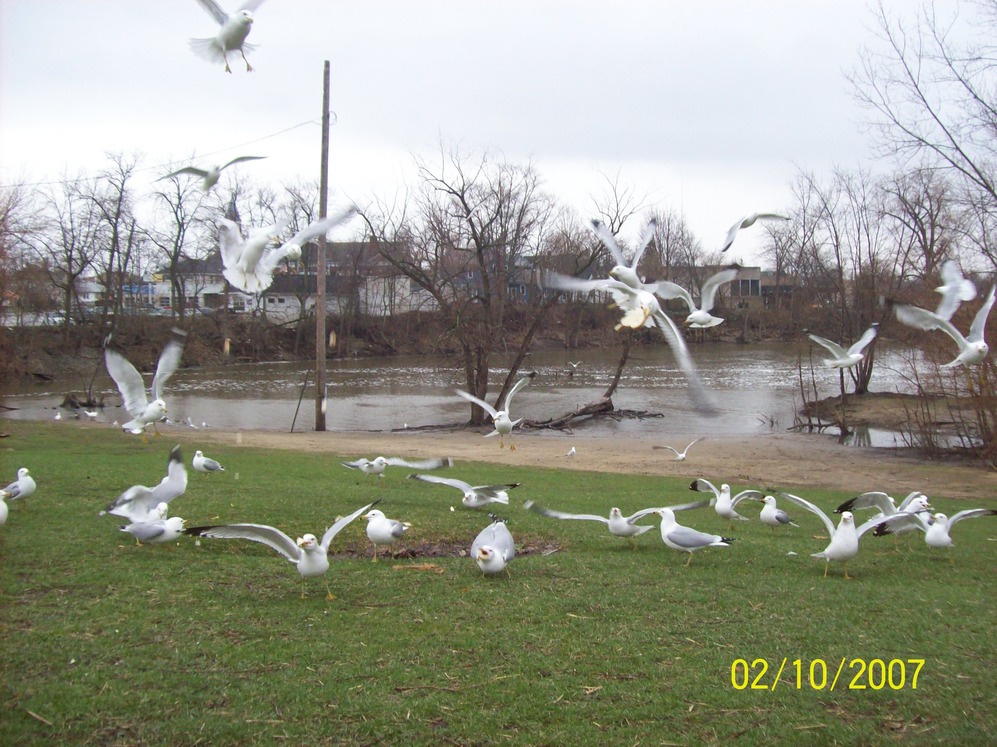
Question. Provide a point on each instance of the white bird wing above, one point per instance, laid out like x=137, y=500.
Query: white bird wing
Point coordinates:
x=336, y=528
x=134, y=504
x=462, y=486
x=186, y=170
x=215, y=11
x=581, y=285
x=176, y=480
x=872, y=499
x=609, y=241
x=977, y=330
x=436, y=463
x=240, y=159
x=697, y=392
x=708, y=294
x=955, y=289
x=900, y=521
x=496, y=535
x=833, y=348
x=678, y=507
x=322, y=227
x=745, y=222
x=804, y=503
x=702, y=485
x=670, y=448
x=129, y=381
x=357, y=464
x=667, y=290
x=914, y=316
x=145, y=531
x=515, y=388
x=645, y=241
x=970, y=513
x=538, y=509
x=744, y=495
x=479, y=402
x=868, y=336
x=169, y=362
x=251, y=5
x=907, y=501
x=230, y=241
x=267, y=535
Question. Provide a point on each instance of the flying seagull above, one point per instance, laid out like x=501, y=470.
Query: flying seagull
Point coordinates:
x=475, y=496
x=618, y=524
x=377, y=465
x=230, y=37
x=747, y=222
x=500, y=418
x=623, y=271
x=973, y=347
x=139, y=503
x=209, y=177
x=841, y=358
x=955, y=289
x=680, y=456
x=699, y=316
x=129, y=381
x=310, y=555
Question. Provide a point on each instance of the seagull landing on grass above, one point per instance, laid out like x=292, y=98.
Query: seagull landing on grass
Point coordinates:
x=310, y=555
x=618, y=524
x=475, y=496
x=723, y=503
x=377, y=465
x=680, y=456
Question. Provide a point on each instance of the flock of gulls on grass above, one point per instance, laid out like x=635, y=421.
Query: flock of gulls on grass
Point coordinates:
x=249, y=264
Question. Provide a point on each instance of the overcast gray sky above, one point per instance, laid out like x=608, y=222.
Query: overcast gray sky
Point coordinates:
x=710, y=107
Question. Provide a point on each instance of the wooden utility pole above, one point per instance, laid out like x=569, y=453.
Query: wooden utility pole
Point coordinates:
x=320, y=337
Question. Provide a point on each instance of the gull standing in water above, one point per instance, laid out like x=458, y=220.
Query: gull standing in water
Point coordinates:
x=493, y=549
x=844, y=544
x=501, y=419
x=129, y=382
x=841, y=358
x=475, y=496
x=310, y=555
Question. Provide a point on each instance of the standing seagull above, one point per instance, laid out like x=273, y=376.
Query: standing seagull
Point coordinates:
x=841, y=358
x=230, y=37
x=205, y=464
x=475, y=496
x=972, y=348
x=383, y=531
x=129, y=381
x=680, y=456
x=936, y=528
x=699, y=316
x=747, y=222
x=844, y=544
x=686, y=539
x=210, y=177
x=22, y=487
x=493, y=549
x=500, y=418
x=774, y=516
x=156, y=531
x=310, y=555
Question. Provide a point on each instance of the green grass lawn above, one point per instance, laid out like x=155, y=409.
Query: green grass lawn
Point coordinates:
x=106, y=643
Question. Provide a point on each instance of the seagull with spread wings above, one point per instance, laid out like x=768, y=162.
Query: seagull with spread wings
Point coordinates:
x=210, y=177
x=618, y=524
x=140, y=503
x=377, y=465
x=230, y=37
x=501, y=419
x=475, y=496
x=842, y=358
x=973, y=347
x=129, y=381
x=747, y=222
x=699, y=316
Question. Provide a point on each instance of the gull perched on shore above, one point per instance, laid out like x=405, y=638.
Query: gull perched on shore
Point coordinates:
x=680, y=456
x=310, y=555
x=747, y=222
x=377, y=465
x=383, y=531
x=205, y=464
x=618, y=524
x=475, y=496
x=230, y=37
x=501, y=419
x=248, y=264
x=23, y=487
x=129, y=381
x=209, y=177
x=841, y=358
x=844, y=544
x=494, y=548
x=139, y=503
x=723, y=503
x=686, y=539
x=699, y=316
x=973, y=347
